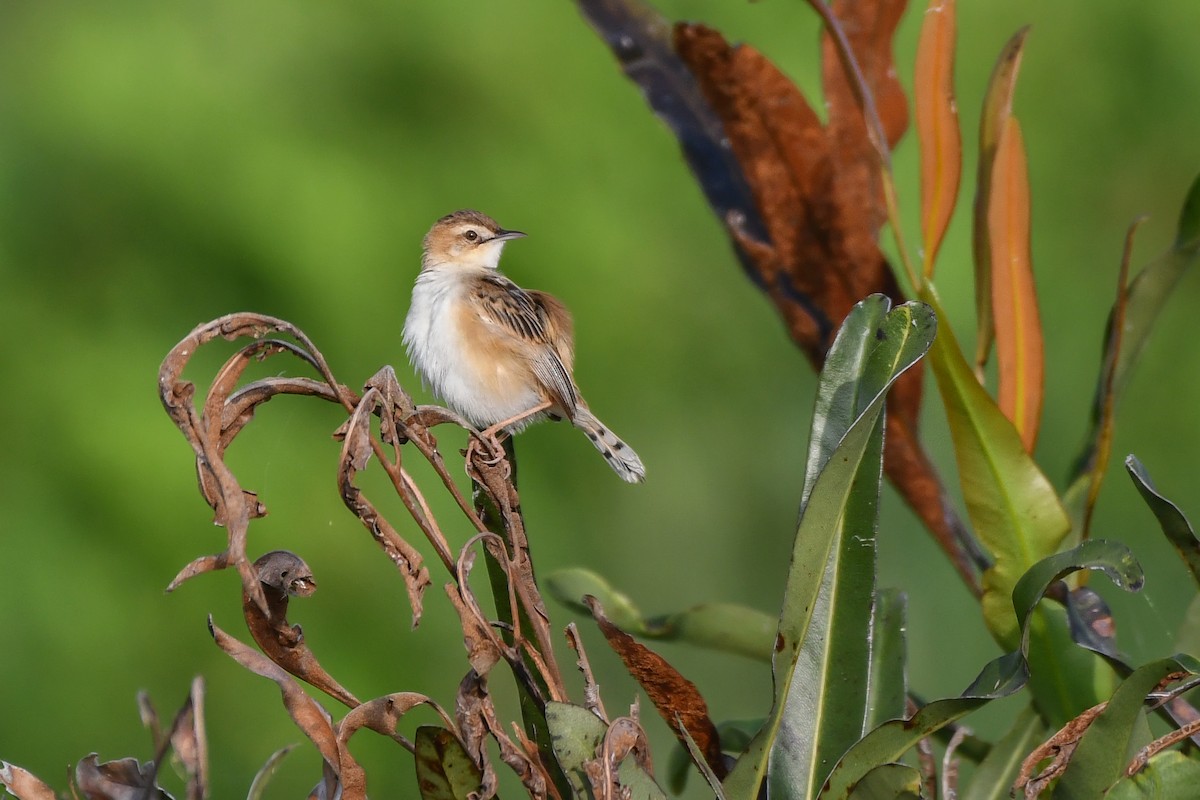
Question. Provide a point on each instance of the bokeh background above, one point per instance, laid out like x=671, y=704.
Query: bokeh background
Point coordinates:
x=163, y=164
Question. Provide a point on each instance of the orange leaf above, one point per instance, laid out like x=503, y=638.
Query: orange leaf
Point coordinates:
x=937, y=126
x=997, y=107
x=1014, y=298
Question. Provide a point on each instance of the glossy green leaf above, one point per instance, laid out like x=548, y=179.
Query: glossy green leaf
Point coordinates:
x=444, y=770
x=1099, y=760
x=1000, y=678
x=715, y=626
x=997, y=772
x=888, y=742
x=576, y=734
x=1067, y=679
x=821, y=688
x=1173, y=522
x=1012, y=505
x=889, y=782
x=887, y=689
x=1168, y=776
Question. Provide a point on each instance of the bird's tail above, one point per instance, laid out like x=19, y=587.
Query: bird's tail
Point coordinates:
x=619, y=455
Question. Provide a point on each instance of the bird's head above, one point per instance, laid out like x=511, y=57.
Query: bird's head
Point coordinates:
x=465, y=239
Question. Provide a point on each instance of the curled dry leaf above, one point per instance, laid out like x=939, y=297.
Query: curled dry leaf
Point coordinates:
x=477, y=722
x=283, y=574
x=125, y=779
x=313, y=720
x=623, y=738
x=188, y=741
x=676, y=699
x=233, y=507
x=356, y=450
x=380, y=715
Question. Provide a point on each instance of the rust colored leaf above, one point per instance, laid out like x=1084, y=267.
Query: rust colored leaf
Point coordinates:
x=1014, y=297
x=23, y=784
x=818, y=192
x=937, y=125
x=997, y=107
x=676, y=699
x=313, y=720
x=282, y=575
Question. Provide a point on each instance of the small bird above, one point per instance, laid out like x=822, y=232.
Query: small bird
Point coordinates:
x=500, y=356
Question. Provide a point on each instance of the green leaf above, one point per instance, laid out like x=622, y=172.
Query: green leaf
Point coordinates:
x=1168, y=776
x=444, y=770
x=997, y=772
x=1000, y=678
x=887, y=690
x=889, y=782
x=1174, y=524
x=1155, y=284
x=266, y=772
x=1012, y=505
x=576, y=734
x=715, y=626
x=1067, y=679
x=1099, y=760
x=821, y=663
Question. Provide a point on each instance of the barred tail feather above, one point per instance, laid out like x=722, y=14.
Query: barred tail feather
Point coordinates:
x=619, y=455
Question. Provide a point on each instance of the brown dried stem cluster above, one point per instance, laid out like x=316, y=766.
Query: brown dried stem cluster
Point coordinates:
x=522, y=636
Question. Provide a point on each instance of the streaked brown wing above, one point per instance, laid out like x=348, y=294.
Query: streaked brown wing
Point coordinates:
x=559, y=327
x=541, y=323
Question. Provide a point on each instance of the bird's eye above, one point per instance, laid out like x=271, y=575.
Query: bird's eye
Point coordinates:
x=471, y=236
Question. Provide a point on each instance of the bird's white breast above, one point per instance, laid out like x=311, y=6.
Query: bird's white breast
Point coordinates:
x=438, y=349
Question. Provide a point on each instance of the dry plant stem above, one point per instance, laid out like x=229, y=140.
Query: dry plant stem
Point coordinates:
x=950, y=765
x=875, y=131
x=591, y=689
x=1149, y=751
x=1059, y=749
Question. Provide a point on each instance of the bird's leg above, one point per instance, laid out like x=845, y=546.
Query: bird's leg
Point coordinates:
x=491, y=434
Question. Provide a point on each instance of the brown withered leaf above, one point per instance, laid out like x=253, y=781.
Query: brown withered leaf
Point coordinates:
x=125, y=779
x=477, y=722
x=676, y=699
x=283, y=574
x=380, y=715
x=818, y=191
x=624, y=737
x=189, y=742
x=23, y=784
x=313, y=720
x=356, y=451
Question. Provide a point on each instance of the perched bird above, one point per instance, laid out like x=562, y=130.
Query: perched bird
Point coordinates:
x=500, y=356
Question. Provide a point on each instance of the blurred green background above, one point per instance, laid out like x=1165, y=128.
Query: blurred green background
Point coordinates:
x=163, y=164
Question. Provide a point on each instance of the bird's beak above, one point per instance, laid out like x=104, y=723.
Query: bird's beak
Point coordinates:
x=504, y=236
